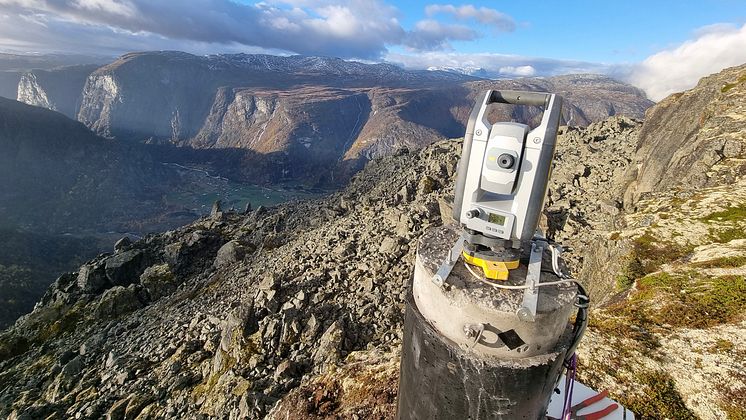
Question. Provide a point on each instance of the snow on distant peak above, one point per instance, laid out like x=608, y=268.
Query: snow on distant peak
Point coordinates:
x=465, y=70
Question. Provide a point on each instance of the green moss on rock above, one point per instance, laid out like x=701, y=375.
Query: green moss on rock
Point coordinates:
x=722, y=262
x=659, y=399
x=688, y=299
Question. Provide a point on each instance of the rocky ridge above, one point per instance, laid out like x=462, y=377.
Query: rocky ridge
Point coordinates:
x=300, y=303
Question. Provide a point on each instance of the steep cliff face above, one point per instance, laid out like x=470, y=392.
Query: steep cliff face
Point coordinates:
x=693, y=139
x=57, y=89
x=143, y=96
x=317, y=120
x=169, y=95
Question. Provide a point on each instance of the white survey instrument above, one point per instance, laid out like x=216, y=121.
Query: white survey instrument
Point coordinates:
x=501, y=183
x=504, y=169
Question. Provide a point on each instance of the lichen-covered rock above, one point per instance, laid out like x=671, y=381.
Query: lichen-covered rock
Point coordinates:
x=229, y=253
x=158, y=280
x=118, y=301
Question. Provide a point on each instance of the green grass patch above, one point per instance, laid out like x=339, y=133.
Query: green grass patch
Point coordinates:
x=648, y=255
x=728, y=86
x=627, y=327
x=722, y=346
x=723, y=236
x=684, y=300
x=722, y=262
x=660, y=399
x=731, y=214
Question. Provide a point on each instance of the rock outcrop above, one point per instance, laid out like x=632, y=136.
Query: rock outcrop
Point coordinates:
x=693, y=139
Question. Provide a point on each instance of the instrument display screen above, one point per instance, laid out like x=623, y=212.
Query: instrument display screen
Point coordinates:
x=496, y=219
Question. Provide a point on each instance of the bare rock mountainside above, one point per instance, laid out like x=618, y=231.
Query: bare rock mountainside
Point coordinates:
x=295, y=311
x=693, y=140
x=313, y=119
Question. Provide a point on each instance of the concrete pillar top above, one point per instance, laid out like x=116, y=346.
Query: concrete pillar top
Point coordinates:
x=466, y=302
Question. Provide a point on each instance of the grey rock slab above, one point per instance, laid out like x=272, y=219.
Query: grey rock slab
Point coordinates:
x=124, y=268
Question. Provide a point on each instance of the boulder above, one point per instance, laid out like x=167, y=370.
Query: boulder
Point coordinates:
x=228, y=254
x=118, y=301
x=446, y=210
x=124, y=268
x=92, y=278
x=158, y=281
x=389, y=245
x=330, y=343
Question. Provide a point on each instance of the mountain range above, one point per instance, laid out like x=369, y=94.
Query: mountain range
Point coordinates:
x=314, y=120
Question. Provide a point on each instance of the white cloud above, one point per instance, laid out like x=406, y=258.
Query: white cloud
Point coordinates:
x=431, y=35
x=362, y=29
x=357, y=28
x=714, y=48
x=523, y=71
x=485, y=15
x=114, y=7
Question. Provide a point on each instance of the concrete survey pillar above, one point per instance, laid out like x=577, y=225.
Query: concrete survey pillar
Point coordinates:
x=466, y=354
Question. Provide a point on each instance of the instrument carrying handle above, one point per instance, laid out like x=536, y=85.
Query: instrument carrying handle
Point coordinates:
x=517, y=97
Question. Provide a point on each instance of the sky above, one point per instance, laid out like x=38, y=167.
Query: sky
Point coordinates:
x=660, y=46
